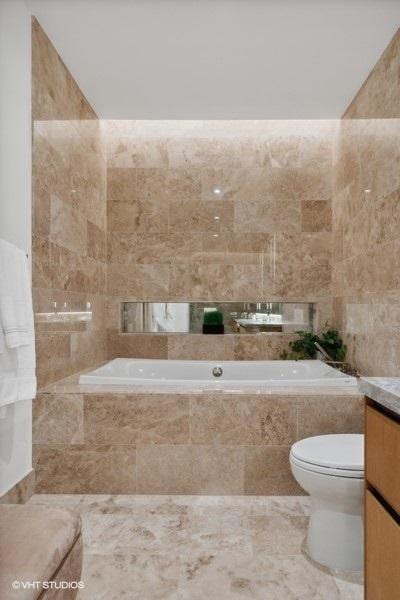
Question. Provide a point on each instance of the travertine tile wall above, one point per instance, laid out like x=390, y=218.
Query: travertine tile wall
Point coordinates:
x=69, y=218
x=191, y=443
x=201, y=210
x=366, y=221
x=379, y=96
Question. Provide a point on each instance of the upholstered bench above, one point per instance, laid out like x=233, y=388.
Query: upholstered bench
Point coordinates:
x=39, y=544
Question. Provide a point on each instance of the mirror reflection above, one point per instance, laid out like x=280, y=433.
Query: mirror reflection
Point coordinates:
x=199, y=317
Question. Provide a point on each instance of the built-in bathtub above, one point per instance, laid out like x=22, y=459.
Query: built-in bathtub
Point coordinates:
x=171, y=427
x=214, y=375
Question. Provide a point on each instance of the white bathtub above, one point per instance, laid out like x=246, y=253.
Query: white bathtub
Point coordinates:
x=198, y=374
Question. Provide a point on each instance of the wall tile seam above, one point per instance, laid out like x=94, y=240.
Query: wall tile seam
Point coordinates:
x=370, y=250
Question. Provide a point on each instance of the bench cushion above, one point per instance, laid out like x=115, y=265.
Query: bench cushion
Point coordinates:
x=34, y=541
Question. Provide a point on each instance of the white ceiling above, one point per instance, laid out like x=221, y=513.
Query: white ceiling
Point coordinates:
x=219, y=59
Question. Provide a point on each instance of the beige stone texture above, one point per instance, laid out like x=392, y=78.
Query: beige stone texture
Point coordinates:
x=267, y=471
x=379, y=96
x=316, y=216
x=261, y=347
x=218, y=210
x=21, y=492
x=137, y=345
x=175, y=442
x=129, y=419
x=55, y=93
x=77, y=468
x=336, y=414
x=200, y=547
x=69, y=218
x=189, y=469
x=243, y=420
x=366, y=220
x=201, y=347
x=57, y=419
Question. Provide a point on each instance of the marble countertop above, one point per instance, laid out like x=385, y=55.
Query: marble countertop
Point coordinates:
x=383, y=390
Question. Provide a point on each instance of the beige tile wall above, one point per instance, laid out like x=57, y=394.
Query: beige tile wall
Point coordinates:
x=379, y=96
x=217, y=210
x=366, y=221
x=69, y=218
x=210, y=443
x=160, y=239
x=138, y=222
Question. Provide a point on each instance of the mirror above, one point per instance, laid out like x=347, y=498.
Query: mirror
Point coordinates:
x=238, y=317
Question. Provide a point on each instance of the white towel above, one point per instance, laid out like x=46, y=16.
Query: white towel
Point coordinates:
x=17, y=336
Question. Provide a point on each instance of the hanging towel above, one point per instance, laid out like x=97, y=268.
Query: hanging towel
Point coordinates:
x=17, y=336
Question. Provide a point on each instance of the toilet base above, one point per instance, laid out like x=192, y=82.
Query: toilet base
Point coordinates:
x=336, y=531
x=336, y=538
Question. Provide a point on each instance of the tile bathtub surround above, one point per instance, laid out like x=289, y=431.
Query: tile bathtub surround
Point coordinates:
x=21, y=491
x=179, y=443
x=184, y=547
x=366, y=221
x=197, y=346
x=69, y=219
x=217, y=210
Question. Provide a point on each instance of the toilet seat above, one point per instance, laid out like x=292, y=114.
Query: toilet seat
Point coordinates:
x=338, y=454
x=330, y=471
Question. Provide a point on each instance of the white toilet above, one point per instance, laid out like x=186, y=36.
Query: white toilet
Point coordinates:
x=331, y=469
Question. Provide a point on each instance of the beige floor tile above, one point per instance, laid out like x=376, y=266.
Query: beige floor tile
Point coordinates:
x=283, y=534
x=164, y=547
x=129, y=576
x=350, y=585
x=240, y=576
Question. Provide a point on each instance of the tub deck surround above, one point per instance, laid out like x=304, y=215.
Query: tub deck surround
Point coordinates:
x=72, y=385
x=232, y=375
x=94, y=439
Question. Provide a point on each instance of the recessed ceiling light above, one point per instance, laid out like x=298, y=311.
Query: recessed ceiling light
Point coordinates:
x=367, y=191
x=215, y=235
x=216, y=218
x=217, y=191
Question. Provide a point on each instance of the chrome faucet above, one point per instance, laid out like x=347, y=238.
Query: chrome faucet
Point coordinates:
x=337, y=364
x=324, y=352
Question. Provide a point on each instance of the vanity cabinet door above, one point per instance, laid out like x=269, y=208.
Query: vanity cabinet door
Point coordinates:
x=382, y=552
x=382, y=456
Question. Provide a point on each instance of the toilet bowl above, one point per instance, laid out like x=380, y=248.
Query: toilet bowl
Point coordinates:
x=331, y=469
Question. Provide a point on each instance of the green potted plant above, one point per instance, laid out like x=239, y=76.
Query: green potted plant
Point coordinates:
x=304, y=347
x=213, y=322
x=332, y=343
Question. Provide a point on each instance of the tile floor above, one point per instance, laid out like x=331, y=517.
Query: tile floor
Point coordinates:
x=200, y=547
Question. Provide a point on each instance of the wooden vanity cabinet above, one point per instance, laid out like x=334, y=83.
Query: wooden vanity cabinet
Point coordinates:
x=382, y=504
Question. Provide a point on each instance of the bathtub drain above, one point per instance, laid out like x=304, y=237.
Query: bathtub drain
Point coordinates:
x=217, y=371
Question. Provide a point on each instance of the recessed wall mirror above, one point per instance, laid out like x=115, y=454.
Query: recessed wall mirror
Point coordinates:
x=235, y=317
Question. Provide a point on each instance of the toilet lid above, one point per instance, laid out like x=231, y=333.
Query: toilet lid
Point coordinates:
x=342, y=473
x=340, y=451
